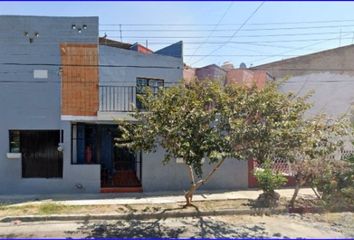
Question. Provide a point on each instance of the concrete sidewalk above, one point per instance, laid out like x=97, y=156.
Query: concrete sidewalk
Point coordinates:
x=141, y=198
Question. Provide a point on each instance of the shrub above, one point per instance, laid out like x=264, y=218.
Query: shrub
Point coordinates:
x=268, y=180
x=335, y=184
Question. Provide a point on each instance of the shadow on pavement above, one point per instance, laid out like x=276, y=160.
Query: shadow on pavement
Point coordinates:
x=198, y=227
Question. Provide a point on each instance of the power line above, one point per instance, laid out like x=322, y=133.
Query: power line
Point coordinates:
x=229, y=24
x=186, y=55
x=217, y=24
x=239, y=36
x=244, y=23
x=137, y=66
x=210, y=35
x=85, y=65
x=229, y=29
x=300, y=48
x=199, y=42
x=101, y=83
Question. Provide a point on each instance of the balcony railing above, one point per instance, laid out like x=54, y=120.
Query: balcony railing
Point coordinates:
x=120, y=98
x=117, y=98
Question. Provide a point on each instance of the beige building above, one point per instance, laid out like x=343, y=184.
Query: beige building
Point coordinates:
x=330, y=74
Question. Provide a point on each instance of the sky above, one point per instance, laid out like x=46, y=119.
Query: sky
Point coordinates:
x=214, y=32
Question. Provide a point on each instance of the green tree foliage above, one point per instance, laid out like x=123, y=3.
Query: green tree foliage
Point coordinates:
x=271, y=125
x=320, y=140
x=188, y=122
x=204, y=120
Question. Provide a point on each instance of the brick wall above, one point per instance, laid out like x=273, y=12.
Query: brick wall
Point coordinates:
x=79, y=80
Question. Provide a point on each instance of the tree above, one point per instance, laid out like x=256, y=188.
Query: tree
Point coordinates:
x=321, y=138
x=203, y=120
x=189, y=122
x=316, y=166
x=278, y=128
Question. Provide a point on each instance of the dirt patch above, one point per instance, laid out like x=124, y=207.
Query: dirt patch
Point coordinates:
x=53, y=208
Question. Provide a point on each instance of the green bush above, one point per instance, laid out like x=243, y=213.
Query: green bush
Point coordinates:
x=335, y=184
x=268, y=180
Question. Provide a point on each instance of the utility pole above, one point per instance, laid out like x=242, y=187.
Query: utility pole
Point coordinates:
x=120, y=32
x=340, y=37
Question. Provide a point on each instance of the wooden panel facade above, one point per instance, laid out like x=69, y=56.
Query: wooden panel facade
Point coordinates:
x=80, y=79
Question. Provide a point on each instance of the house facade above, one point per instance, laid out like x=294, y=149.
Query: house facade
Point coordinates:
x=62, y=91
x=328, y=73
x=329, y=76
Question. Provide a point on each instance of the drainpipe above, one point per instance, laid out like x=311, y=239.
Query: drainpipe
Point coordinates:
x=60, y=144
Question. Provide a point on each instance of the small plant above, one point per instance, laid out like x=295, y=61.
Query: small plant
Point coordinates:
x=268, y=181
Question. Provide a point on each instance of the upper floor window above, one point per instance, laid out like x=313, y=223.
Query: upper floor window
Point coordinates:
x=141, y=83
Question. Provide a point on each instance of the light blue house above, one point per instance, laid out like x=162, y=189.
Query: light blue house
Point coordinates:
x=61, y=90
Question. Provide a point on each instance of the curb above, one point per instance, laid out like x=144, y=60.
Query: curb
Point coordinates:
x=142, y=216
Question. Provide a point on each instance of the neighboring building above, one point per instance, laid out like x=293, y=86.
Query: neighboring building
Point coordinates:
x=62, y=90
x=248, y=77
x=189, y=74
x=211, y=72
x=330, y=74
x=227, y=74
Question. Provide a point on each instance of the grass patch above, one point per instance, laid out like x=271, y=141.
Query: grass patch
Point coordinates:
x=51, y=208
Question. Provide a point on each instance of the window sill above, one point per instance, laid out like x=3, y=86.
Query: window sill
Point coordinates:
x=14, y=155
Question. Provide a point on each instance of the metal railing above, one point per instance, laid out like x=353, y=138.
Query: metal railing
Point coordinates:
x=117, y=98
x=120, y=98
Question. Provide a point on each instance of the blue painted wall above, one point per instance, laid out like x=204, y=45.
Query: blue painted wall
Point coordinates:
x=29, y=103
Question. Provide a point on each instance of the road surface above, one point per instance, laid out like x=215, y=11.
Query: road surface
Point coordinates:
x=279, y=226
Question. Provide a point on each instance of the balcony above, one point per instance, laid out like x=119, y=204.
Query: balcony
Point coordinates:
x=117, y=98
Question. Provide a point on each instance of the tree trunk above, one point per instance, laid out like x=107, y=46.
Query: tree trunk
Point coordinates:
x=296, y=192
x=195, y=185
x=189, y=195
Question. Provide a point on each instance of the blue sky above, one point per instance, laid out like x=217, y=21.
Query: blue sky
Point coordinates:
x=278, y=30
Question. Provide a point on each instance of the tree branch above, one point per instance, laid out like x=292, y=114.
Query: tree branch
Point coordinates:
x=316, y=193
x=191, y=174
x=202, y=181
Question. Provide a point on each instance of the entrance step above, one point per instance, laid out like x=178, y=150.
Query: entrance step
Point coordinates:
x=121, y=189
x=126, y=178
x=122, y=179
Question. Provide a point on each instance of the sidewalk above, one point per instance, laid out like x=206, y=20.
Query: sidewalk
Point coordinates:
x=141, y=198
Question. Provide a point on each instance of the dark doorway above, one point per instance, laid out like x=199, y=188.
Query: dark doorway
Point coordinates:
x=120, y=167
x=95, y=144
x=40, y=156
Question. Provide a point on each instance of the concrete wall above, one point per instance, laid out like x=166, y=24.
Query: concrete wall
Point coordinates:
x=333, y=93
x=329, y=74
x=29, y=103
x=233, y=174
x=150, y=66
